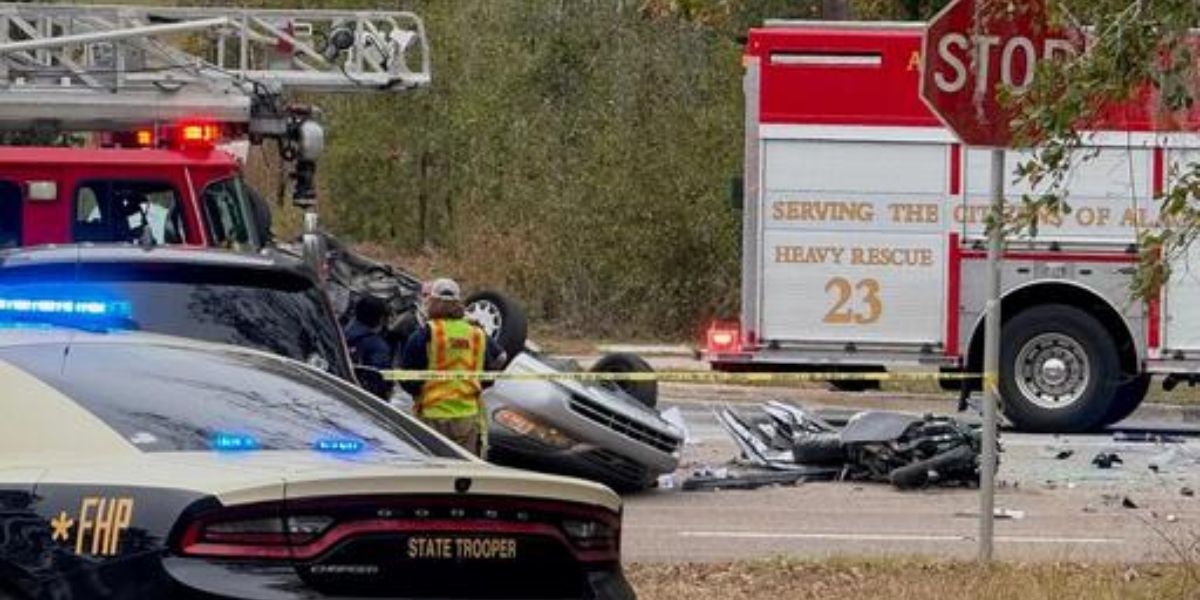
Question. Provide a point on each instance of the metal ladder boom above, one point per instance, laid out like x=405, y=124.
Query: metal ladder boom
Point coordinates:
x=112, y=67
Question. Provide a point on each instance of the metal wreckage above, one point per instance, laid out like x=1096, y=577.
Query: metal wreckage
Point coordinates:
x=786, y=444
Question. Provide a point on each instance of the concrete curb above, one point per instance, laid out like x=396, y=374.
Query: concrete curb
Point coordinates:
x=647, y=349
x=1171, y=413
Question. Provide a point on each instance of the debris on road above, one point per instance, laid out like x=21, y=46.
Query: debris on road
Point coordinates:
x=909, y=451
x=1174, y=456
x=1187, y=492
x=1106, y=460
x=1002, y=514
x=724, y=479
x=1127, y=503
x=1147, y=437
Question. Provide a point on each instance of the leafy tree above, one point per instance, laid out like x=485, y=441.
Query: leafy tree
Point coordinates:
x=1140, y=53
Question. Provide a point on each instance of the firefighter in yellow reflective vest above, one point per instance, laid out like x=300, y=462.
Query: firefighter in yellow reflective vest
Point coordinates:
x=450, y=343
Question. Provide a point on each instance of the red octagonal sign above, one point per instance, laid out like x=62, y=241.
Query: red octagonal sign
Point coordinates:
x=971, y=49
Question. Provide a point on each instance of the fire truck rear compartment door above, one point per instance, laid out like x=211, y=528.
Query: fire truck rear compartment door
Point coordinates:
x=1181, y=311
x=853, y=244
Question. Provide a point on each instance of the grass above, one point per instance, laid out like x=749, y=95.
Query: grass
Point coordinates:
x=912, y=579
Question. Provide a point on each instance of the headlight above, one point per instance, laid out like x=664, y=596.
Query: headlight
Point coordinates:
x=529, y=427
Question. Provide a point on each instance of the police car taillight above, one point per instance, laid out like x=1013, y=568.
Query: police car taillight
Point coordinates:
x=240, y=534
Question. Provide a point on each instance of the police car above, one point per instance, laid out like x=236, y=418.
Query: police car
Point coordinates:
x=134, y=465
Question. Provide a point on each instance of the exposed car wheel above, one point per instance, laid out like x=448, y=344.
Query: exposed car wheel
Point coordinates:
x=645, y=392
x=1129, y=398
x=501, y=317
x=1059, y=370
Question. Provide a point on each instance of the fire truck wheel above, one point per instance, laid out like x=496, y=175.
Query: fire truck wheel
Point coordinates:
x=1059, y=370
x=1129, y=397
x=501, y=317
x=645, y=392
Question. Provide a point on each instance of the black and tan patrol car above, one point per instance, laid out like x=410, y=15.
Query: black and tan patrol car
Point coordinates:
x=142, y=466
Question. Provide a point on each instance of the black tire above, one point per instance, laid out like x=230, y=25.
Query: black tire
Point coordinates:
x=1129, y=398
x=511, y=333
x=915, y=475
x=1050, y=332
x=645, y=392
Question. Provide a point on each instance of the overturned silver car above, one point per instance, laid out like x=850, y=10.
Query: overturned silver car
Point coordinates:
x=590, y=430
x=608, y=433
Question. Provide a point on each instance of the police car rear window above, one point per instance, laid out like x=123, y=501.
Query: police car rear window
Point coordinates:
x=265, y=310
x=165, y=398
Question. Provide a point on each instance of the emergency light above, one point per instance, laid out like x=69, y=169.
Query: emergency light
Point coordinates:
x=338, y=446
x=33, y=308
x=230, y=442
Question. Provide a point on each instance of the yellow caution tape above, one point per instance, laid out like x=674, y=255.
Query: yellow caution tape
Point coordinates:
x=677, y=376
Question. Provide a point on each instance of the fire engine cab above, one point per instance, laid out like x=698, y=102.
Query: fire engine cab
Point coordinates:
x=161, y=104
x=864, y=227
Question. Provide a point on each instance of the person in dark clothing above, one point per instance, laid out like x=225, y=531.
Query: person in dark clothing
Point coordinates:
x=368, y=348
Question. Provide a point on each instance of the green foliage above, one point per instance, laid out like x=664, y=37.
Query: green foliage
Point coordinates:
x=575, y=153
x=1137, y=51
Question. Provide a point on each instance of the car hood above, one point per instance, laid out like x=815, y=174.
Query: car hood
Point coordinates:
x=248, y=477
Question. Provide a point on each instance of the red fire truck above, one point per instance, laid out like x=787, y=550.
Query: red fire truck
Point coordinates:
x=863, y=231
x=160, y=96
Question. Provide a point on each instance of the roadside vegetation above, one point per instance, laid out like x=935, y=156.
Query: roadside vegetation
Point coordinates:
x=844, y=579
x=574, y=153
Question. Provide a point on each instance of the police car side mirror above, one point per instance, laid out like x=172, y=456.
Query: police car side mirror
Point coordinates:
x=737, y=195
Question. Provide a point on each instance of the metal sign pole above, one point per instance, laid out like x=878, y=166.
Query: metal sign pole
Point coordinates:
x=991, y=361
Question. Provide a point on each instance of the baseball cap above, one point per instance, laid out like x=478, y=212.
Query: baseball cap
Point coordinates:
x=446, y=289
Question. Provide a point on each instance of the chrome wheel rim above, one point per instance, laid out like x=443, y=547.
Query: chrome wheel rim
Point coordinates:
x=1052, y=371
x=487, y=315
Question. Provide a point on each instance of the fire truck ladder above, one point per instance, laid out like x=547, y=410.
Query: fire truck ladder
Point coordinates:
x=73, y=68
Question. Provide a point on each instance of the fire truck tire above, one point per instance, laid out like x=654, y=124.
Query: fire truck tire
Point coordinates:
x=1059, y=370
x=645, y=392
x=1129, y=398
x=501, y=317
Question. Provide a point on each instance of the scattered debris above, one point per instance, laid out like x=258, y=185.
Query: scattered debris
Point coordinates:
x=1127, y=503
x=1057, y=452
x=1106, y=460
x=1187, y=491
x=666, y=481
x=1002, y=514
x=724, y=479
x=1130, y=575
x=1147, y=437
x=1174, y=456
x=906, y=450
x=1172, y=518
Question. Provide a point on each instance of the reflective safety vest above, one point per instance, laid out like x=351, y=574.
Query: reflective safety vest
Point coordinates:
x=454, y=345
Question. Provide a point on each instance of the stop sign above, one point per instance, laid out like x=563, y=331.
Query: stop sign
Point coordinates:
x=971, y=49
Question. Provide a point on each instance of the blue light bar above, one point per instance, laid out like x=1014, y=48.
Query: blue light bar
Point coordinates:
x=338, y=446
x=61, y=307
x=229, y=442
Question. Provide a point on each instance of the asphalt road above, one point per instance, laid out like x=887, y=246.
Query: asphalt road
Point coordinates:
x=1063, y=509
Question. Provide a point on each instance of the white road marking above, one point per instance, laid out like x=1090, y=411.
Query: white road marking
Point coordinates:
x=890, y=537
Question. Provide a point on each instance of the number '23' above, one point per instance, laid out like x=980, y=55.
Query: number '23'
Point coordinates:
x=843, y=290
